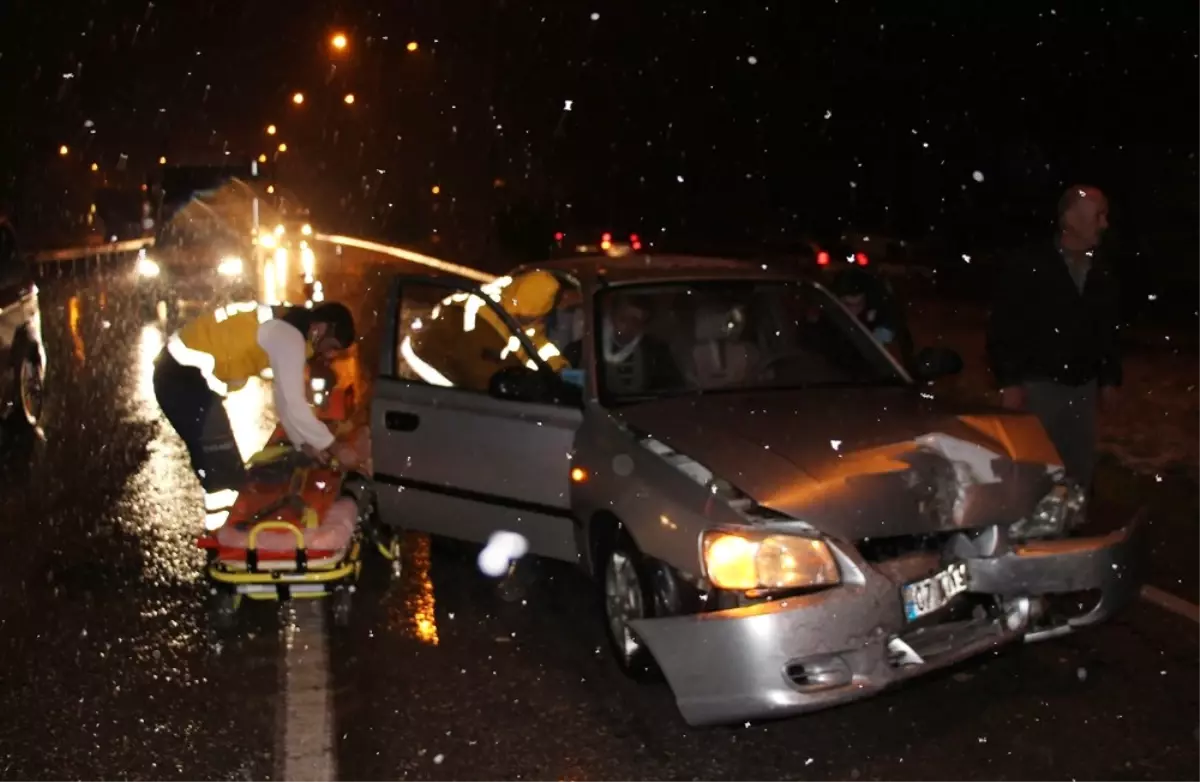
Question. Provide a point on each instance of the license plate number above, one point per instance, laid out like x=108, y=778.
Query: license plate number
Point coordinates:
x=929, y=594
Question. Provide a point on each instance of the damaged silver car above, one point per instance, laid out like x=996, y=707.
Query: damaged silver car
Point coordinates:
x=776, y=513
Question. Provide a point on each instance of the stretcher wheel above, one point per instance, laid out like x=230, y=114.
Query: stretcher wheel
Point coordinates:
x=339, y=604
x=222, y=610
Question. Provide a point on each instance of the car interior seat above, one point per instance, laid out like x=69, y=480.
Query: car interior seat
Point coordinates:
x=720, y=356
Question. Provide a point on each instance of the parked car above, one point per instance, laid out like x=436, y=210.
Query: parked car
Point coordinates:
x=774, y=512
x=22, y=357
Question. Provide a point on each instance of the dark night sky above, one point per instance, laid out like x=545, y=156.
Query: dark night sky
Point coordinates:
x=704, y=118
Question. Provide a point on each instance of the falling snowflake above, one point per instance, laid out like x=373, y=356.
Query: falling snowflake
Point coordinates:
x=977, y=176
x=828, y=113
x=679, y=178
x=835, y=444
x=752, y=60
x=595, y=16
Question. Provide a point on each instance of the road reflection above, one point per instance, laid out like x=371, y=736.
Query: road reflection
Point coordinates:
x=74, y=314
x=410, y=605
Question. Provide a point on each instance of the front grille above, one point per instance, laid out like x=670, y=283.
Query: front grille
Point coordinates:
x=876, y=550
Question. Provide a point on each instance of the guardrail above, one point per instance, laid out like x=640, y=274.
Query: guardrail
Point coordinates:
x=407, y=255
x=92, y=256
x=84, y=258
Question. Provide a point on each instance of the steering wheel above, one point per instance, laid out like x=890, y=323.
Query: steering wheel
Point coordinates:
x=768, y=366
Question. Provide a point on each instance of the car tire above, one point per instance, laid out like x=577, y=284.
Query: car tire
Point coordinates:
x=28, y=390
x=625, y=593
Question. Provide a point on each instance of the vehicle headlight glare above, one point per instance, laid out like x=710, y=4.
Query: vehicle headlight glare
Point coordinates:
x=306, y=230
x=147, y=268
x=230, y=267
x=747, y=561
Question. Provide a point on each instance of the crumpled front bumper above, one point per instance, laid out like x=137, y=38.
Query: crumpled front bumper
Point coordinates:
x=810, y=652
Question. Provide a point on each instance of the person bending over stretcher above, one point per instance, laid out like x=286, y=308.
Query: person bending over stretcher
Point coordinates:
x=219, y=351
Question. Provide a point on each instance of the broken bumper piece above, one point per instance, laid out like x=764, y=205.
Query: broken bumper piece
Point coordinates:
x=801, y=654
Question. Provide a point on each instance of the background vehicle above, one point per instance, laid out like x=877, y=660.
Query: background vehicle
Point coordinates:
x=22, y=357
x=209, y=222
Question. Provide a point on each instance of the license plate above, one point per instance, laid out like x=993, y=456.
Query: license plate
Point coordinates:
x=929, y=594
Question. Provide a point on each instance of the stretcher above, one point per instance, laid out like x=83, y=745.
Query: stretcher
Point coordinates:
x=297, y=530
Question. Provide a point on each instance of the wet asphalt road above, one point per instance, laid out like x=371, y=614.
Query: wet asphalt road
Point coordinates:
x=110, y=670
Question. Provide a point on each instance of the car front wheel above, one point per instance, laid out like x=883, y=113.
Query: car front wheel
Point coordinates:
x=627, y=596
x=28, y=391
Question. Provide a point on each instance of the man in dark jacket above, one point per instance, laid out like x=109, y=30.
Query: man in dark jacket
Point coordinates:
x=1053, y=337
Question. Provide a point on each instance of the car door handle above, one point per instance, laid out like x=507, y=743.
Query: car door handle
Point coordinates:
x=401, y=422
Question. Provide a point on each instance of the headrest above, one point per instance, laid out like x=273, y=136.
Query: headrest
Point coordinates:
x=716, y=323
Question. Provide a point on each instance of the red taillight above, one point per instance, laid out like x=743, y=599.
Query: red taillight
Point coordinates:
x=633, y=237
x=637, y=245
x=861, y=258
x=822, y=258
x=558, y=237
x=606, y=237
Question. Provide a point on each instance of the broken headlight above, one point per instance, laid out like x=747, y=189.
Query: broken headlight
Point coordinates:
x=1055, y=514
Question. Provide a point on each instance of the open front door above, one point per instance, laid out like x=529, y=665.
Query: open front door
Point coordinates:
x=471, y=431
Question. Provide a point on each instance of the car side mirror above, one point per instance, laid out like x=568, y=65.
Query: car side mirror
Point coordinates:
x=522, y=384
x=519, y=384
x=932, y=363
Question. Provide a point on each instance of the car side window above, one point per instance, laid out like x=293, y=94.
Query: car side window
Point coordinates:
x=454, y=340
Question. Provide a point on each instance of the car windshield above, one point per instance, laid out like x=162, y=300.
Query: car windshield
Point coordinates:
x=730, y=335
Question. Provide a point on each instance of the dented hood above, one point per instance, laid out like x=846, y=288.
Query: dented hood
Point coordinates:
x=862, y=463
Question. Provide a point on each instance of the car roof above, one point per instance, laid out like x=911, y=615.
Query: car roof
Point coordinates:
x=644, y=268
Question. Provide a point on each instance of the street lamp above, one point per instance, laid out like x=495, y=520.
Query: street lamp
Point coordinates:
x=63, y=150
x=338, y=41
x=270, y=130
x=162, y=161
x=298, y=98
x=436, y=189
x=412, y=46
x=283, y=147
x=95, y=166
x=262, y=158
x=349, y=99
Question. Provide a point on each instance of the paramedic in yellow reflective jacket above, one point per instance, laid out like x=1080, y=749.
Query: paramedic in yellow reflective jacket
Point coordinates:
x=529, y=300
x=217, y=353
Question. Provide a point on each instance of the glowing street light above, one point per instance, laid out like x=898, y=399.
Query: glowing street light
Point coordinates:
x=298, y=98
x=436, y=189
x=270, y=188
x=339, y=42
x=283, y=147
x=162, y=161
x=95, y=166
x=349, y=99
x=63, y=150
x=412, y=46
x=271, y=130
x=262, y=158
